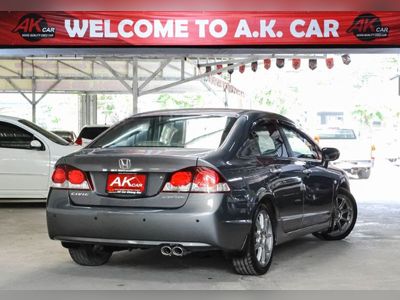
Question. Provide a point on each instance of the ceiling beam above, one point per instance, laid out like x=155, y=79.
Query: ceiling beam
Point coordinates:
x=74, y=68
x=18, y=90
x=152, y=76
x=40, y=68
x=51, y=88
x=115, y=74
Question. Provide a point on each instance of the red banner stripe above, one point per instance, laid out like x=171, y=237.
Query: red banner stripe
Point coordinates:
x=39, y=29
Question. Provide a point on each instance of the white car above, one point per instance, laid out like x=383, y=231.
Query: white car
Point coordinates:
x=27, y=157
x=356, y=155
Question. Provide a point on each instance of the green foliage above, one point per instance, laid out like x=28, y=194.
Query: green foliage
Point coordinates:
x=277, y=101
x=183, y=101
x=49, y=111
x=366, y=116
x=105, y=106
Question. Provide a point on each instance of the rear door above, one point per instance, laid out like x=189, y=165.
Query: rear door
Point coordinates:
x=319, y=186
x=24, y=172
x=283, y=177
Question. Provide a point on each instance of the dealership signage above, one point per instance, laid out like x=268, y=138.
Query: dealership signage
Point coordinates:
x=199, y=28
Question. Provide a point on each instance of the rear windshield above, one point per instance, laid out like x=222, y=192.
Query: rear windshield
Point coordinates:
x=47, y=134
x=337, y=134
x=91, y=133
x=200, y=132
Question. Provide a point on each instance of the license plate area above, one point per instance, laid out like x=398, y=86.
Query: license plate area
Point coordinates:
x=126, y=183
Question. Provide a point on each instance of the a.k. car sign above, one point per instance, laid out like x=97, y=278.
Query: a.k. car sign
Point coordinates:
x=87, y=29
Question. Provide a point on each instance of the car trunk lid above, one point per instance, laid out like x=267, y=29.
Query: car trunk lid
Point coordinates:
x=154, y=164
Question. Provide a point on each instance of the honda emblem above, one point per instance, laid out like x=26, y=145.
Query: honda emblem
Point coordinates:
x=125, y=163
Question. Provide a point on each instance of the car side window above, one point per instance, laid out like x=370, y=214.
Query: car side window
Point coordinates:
x=264, y=140
x=301, y=146
x=12, y=136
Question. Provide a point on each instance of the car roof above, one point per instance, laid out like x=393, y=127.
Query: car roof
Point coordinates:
x=62, y=131
x=96, y=126
x=231, y=112
x=9, y=118
x=333, y=128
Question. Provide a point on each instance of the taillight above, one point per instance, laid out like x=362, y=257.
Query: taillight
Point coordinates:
x=67, y=177
x=59, y=175
x=76, y=176
x=197, y=180
x=79, y=141
x=373, y=149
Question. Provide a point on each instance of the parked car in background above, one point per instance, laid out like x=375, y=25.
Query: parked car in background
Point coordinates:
x=69, y=136
x=356, y=155
x=27, y=157
x=89, y=133
x=189, y=180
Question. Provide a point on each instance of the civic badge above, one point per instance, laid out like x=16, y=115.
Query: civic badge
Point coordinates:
x=125, y=163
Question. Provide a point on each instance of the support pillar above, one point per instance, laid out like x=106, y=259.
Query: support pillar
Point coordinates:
x=93, y=108
x=226, y=99
x=33, y=102
x=87, y=110
x=135, y=86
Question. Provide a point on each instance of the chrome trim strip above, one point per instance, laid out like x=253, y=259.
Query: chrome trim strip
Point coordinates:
x=128, y=242
x=238, y=222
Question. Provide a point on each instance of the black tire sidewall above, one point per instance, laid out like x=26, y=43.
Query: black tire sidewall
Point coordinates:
x=250, y=246
x=85, y=255
x=364, y=174
x=348, y=195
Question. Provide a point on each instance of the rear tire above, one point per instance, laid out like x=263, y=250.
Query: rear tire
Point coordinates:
x=364, y=173
x=343, y=219
x=256, y=258
x=90, y=255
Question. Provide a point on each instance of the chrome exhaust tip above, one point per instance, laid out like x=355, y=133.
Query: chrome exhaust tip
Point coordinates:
x=178, y=251
x=166, y=250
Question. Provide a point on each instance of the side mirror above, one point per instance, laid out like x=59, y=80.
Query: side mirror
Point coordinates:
x=35, y=144
x=329, y=154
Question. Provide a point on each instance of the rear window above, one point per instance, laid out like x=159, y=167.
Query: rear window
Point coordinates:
x=91, y=133
x=49, y=135
x=337, y=134
x=200, y=132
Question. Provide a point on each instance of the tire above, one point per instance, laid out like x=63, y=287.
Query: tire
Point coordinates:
x=364, y=173
x=90, y=255
x=347, y=220
x=257, y=260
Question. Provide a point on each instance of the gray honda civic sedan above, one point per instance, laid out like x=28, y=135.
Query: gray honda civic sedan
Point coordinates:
x=240, y=181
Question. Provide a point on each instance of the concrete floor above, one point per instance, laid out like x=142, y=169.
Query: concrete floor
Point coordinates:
x=368, y=259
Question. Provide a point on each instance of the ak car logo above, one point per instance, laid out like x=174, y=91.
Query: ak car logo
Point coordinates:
x=125, y=163
x=33, y=27
x=368, y=27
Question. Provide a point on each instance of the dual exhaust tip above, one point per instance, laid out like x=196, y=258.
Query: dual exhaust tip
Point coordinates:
x=172, y=250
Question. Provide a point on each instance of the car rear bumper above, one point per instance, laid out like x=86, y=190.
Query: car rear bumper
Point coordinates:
x=205, y=221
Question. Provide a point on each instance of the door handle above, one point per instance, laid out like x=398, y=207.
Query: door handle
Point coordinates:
x=276, y=171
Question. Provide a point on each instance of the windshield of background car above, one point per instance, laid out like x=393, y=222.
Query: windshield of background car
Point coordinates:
x=49, y=135
x=178, y=131
x=92, y=132
x=337, y=134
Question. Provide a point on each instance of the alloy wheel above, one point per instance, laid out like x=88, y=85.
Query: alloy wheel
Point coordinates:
x=342, y=216
x=264, y=239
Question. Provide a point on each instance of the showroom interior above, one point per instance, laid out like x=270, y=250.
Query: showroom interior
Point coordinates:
x=318, y=86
